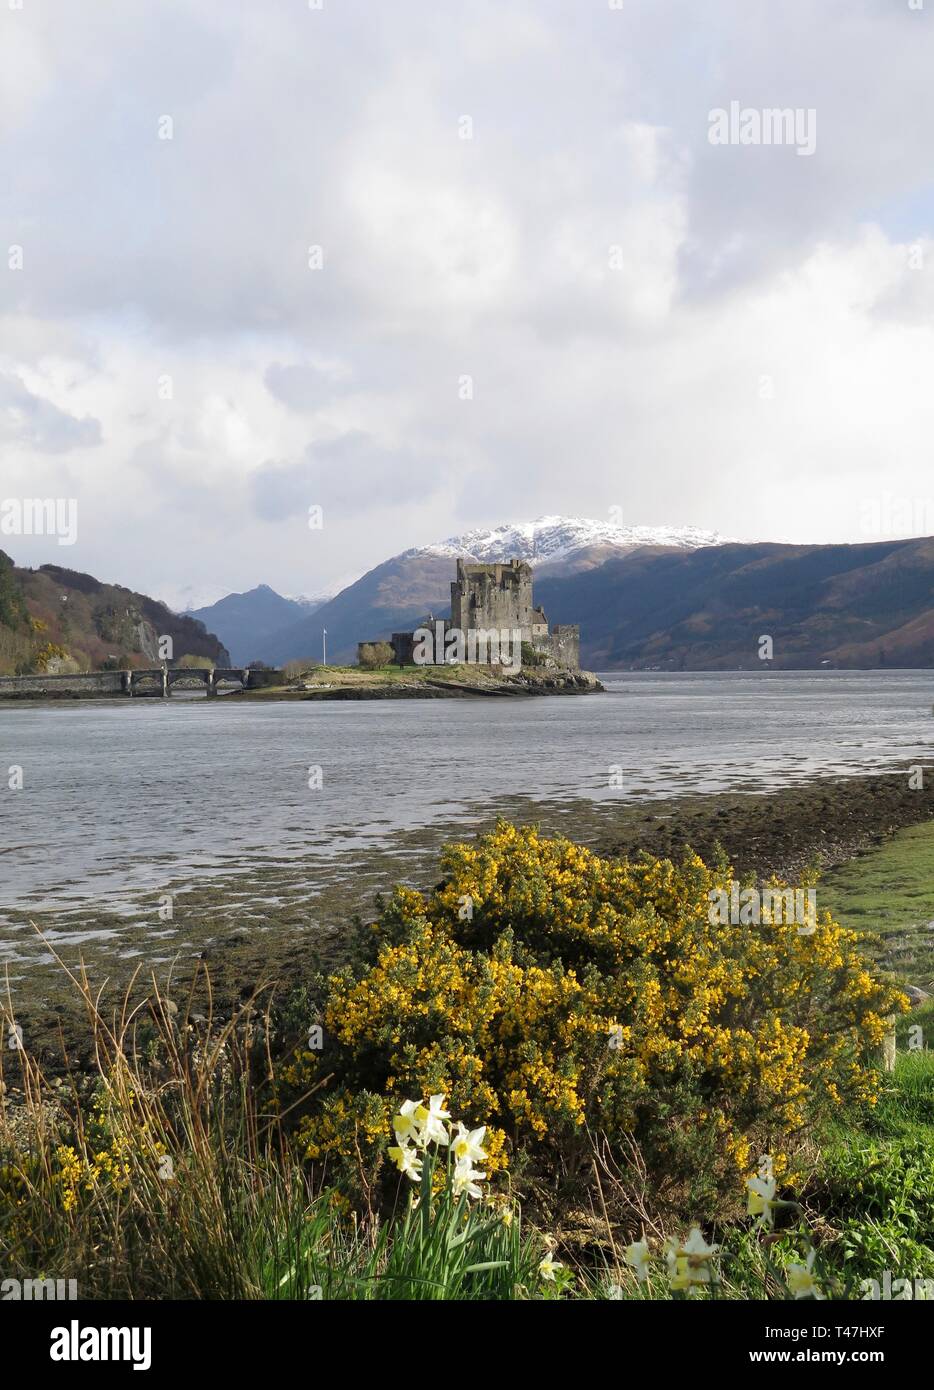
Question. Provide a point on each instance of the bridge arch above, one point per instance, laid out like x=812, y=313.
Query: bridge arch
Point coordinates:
x=165, y=677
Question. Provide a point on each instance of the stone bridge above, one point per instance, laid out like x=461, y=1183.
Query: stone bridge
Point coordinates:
x=158, y=681
x=163, y=678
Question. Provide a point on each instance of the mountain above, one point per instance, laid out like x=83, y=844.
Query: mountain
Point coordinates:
x=243, y=622
x=861, y=606
x=397, y=594
x=644, y=599
x=58, y=619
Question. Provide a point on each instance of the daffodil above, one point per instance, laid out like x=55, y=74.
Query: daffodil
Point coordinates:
x=800, y=1280
x=549, y=1267
x=404, y=1123
x=762, y=1200
x=407, y=1161
x=467, y=1145
x=637, y=1257
x=689, y=1263
x=430, y=1120
x=466, y=1179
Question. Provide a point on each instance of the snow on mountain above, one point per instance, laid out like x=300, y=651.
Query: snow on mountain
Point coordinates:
x=549, y=539
x=325, y=595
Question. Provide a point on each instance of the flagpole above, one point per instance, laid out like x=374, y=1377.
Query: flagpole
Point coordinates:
x=324, y=645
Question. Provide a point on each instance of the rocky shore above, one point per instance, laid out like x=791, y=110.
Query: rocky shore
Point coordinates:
x=426, y=683
x=817, y=824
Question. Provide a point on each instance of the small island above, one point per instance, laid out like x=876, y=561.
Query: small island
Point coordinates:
x=420, y=683
x=495, y=643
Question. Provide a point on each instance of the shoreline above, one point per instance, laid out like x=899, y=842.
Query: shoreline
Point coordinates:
x=271, y=924
x=337, y=683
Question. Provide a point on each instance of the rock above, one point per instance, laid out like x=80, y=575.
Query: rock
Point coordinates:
x=916, y=995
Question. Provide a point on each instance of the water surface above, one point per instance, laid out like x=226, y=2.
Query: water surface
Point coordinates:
x=124, y=800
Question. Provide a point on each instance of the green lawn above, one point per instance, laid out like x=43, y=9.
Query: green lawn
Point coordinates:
x=890, y=893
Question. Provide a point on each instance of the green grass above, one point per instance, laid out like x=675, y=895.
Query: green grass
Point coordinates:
x=873, y=1185
x=890, y=893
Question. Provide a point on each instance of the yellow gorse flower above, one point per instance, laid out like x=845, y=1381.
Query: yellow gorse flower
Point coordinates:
x=580, y=992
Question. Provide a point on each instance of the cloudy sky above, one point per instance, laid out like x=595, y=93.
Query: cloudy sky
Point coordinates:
x=433, y=264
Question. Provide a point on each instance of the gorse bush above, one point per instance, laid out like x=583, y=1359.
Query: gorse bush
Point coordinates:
x=548, y=992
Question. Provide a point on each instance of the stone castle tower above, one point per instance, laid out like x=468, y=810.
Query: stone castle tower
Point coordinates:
x=498, y=598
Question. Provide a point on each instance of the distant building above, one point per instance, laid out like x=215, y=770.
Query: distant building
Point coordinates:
x=497, y=598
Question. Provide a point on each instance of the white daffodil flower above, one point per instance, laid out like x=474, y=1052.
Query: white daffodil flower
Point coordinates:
x=467, y=1145
x=466, y=1178
x=762, y=1200
x=404, y=1123
x=689, y=1263
x=407, y=1161
x=430, y=1120
x=637, y=1257
x=548, y=1267
x=800, y=1280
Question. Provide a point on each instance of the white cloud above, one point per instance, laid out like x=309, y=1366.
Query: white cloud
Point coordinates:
x=729, y=337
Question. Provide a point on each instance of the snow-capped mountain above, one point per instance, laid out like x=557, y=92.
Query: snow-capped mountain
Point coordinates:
x=551, y=539
x=397, y=593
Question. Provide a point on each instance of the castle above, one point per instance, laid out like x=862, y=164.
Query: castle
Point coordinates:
x=496, y=598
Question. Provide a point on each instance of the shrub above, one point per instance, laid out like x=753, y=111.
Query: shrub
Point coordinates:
x=193, y=661
x=532, y=657
x=53, y=659
x=293, y=670
x=372, y=655
x=549, y=992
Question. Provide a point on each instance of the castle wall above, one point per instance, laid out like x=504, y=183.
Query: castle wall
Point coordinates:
x=403, y=648
x=561, y=646
x=566, y=645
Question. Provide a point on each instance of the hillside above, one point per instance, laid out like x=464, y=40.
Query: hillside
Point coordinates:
x=861, y=606
x=54, y=619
